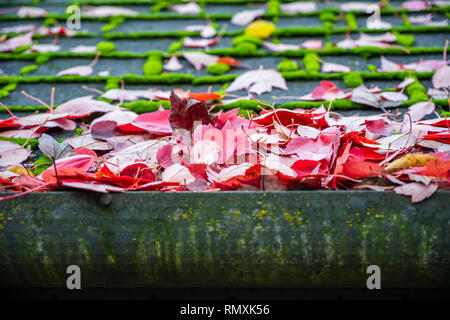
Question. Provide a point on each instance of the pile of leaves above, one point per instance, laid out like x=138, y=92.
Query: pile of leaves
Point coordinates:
x=189, y=148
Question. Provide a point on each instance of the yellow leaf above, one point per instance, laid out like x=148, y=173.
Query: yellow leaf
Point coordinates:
x=260, y=28
x=409, y=161
x=18, y=170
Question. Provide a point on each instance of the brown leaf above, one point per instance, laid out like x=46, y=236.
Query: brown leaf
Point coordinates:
x=183, y=114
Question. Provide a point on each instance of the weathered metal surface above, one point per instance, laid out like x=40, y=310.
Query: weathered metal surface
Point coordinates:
x=287, y=239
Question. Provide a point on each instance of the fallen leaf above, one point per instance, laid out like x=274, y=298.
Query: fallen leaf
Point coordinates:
x=173, y=64
x=244, y=17
x=77, y=71
x=107, y=11
x=82, y=107
x=419, y=110
x=190, y=8
x=183, y=114
x=200, y=59
x=32, y=12
x=53, y=149
x=298, y=7
x=258, y=81
x=261, y=29
x=417, y=191
x=12, y=154
x=16, y=42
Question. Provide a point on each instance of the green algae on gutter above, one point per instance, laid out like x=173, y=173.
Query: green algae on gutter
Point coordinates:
x=150, y=34
x=236, y=51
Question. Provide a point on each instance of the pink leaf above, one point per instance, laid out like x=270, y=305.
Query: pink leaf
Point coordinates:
x=328, y=67
x=103, y=130
x=173, y=64
x=12, y=153
x=279, y=47
x=415, y=5
x=82, y=107
x=178, y=173
x=417, y=191
x=441, y=78
x=200, y=59
x=45, y=48
x=243, y=18
x=90, y=186
x=355, y=6
x=419, y=110
x=258, y=81
x=16, y=42
x=312, y=44
x=199, y=43
x=107, y=11
x=190, y=8
x=83, y=49
x=77, y=71
x=154, y=122
x=32, y=12
x=298, y=7
x=18, y=29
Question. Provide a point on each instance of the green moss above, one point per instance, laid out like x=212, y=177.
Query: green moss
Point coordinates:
x=10, y=86
x=287, y=65
x=177, y=45
x=167, y=78
x=114, y=23
x=417, y=92
x=328, y=24
x=217, y=79
x=27, y=69
x=405, y=40
x=405, y=20
x=311, y=62
x=153, y=65
x=3, y=94
x=50, y=22
x=145, y=106
x=106, y=46
x=353, y=79
x=351, y=21
x=445, y=114
x=218, y=68
x=22, y=141
x=160, y=5
x=247, y=39
x=22, y=48
x=112, y=83
x=246, y=47
x=372, y=68
x=41, y=164
x=42, y=58
x=274, y=8
x=328, y=16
